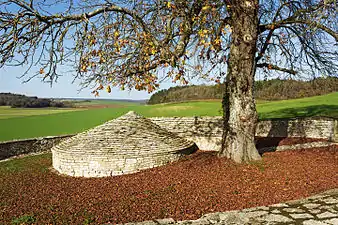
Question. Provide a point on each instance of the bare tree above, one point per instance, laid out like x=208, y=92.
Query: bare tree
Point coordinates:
x=125, y=43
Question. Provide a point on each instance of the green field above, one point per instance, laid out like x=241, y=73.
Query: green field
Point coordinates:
x=77, y=121
x=8, y=112
x=323, y=105
x=100, y=102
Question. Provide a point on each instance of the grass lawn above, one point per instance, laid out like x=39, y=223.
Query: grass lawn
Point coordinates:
x=323, y=105
x=8, y=112
x=77, y=121
x=54, y=124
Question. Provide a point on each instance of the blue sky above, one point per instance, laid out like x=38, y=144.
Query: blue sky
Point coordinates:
x=9, y=82
x=64, y=88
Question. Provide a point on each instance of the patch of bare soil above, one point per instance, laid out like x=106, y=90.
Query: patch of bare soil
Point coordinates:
x=200, y=183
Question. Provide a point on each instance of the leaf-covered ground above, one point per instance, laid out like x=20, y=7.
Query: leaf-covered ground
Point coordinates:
x=262, y=142
x=199, y=184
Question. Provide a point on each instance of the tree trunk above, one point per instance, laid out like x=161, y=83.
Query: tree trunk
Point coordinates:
x=239, y=110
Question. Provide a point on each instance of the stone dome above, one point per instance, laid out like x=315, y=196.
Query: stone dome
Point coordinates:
x=124, y=145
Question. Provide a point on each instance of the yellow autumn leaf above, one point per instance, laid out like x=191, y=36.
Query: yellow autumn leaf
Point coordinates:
x=207, y=7
x=194, y=18
x=108, y=89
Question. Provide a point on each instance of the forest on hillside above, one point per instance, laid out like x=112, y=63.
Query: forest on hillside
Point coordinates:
x=23, y=101
x=275, y=89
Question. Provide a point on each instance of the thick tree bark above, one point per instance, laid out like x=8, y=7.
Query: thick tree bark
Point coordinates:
x=240, y=116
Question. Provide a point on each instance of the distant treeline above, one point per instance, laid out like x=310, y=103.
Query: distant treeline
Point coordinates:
x=22, y=101
x=275, y=89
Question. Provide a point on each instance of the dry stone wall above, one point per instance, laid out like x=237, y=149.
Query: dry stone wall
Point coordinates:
x=18, y=147
x=311, y=128
x=206, y=132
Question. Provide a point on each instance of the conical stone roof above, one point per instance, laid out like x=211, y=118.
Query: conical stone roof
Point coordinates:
x=123, y=145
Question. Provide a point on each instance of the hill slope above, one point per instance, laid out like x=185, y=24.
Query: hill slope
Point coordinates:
x=265, y=90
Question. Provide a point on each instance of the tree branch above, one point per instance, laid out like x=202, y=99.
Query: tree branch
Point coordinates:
x=274, y=67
